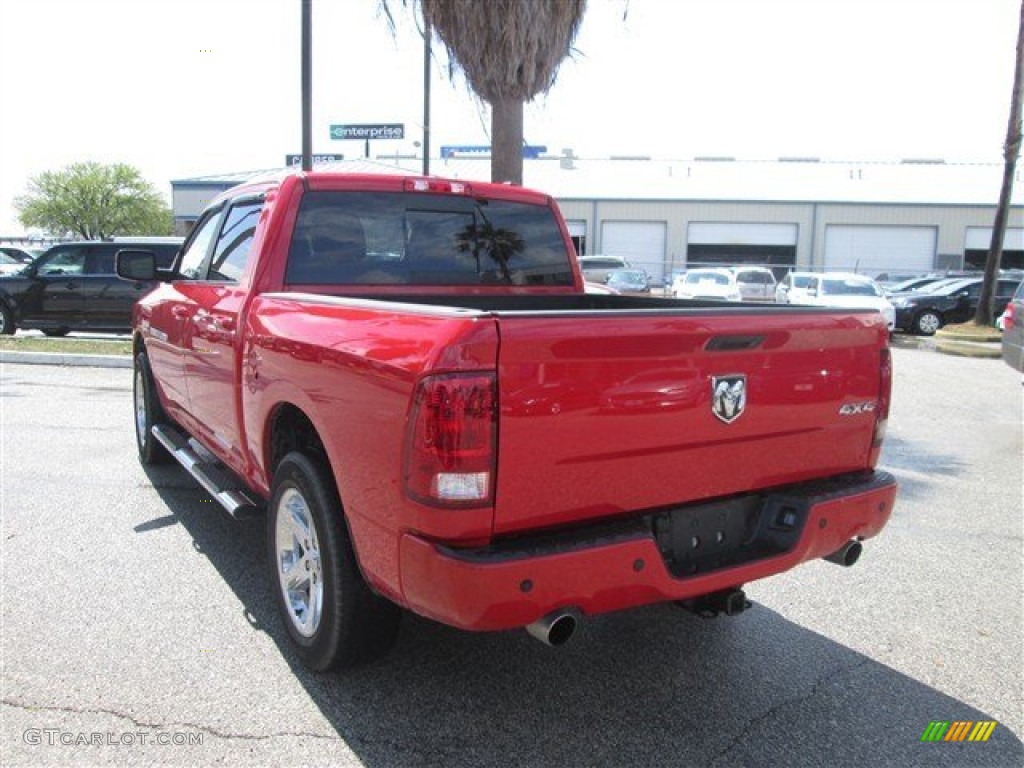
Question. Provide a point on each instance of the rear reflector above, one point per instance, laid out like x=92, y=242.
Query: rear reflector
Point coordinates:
x=884, y=399
x=451, y=442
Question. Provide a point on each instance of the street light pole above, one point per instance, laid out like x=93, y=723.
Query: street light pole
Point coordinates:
x=307, y=85
x=426, y=97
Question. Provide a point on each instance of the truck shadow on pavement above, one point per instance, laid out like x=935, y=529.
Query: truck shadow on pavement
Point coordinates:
x=918, y=469
x=654, y=686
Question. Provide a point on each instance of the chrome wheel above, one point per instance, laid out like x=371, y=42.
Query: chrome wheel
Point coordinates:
x=141, y=425
x=299, y=571
x=928, y=323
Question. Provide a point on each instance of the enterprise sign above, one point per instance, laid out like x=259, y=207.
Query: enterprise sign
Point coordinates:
x=376, y=131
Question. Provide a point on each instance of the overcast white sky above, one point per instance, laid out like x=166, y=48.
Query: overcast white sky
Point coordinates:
x=182, y=88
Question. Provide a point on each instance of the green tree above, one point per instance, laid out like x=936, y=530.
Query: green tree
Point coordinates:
x=94, y=201
x=1011, y=151
x=509, y=52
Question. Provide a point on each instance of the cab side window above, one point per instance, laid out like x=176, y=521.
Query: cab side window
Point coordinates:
x=67, y=261
x=235, y=241
x=100, y=261
x=198, y=247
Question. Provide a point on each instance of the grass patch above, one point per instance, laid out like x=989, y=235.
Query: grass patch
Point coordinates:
x=66, y=346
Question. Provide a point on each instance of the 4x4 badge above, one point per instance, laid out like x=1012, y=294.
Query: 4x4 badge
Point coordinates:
x=728, y=396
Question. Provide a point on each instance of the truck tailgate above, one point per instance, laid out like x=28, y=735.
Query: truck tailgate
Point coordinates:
x=607, y=413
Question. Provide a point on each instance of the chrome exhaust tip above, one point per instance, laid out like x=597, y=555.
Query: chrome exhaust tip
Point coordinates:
x=846, y=555
x=555, y=629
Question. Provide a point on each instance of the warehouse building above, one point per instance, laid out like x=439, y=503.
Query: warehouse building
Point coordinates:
x=890, y=219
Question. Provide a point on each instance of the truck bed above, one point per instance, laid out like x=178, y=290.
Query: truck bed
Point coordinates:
x=605, y=402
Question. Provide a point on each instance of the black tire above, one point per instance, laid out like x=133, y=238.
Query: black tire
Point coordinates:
x=147, y=412
x=56, y=332
x=350, y=624
x=6, y=321
x=926, y=323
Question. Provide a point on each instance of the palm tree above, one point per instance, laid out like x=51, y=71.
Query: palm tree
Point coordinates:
x=509, y=52
x=1011, y=151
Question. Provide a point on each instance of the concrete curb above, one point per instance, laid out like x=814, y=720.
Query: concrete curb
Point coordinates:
x=51, y=358
x=983, y=336
x=949, y=346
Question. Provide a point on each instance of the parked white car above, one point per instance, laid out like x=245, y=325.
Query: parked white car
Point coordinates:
x=793, y=287
x=843, y=289
x=717, y=284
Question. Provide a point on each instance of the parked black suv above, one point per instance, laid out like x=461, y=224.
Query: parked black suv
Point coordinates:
x=72, y=287
x=925, y=312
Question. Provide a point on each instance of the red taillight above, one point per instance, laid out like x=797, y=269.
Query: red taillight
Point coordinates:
x=1009, y=317
x=884, y=398
x=450, y=452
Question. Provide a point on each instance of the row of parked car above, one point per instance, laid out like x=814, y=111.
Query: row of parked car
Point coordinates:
x=919, y=305
x=832, y=289
x=72, y=286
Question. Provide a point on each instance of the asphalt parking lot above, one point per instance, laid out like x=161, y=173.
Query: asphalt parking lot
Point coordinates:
x=139, y=627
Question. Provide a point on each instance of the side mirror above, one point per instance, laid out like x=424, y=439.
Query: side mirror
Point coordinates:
x=138, y=265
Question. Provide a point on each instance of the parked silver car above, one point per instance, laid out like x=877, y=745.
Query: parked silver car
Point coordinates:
x=755, y=283
x=629, y=281
x=596, y=269
x=1013, y=330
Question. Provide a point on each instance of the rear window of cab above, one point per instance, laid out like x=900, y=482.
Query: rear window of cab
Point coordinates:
x=382, y=238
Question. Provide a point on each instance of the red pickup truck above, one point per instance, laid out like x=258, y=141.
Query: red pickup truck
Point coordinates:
x=407, y=375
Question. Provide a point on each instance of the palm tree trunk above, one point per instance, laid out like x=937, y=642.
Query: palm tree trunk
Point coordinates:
x=507, y=141
x=1011, y=151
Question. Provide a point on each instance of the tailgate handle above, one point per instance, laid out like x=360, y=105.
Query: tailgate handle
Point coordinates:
x=733, y=343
